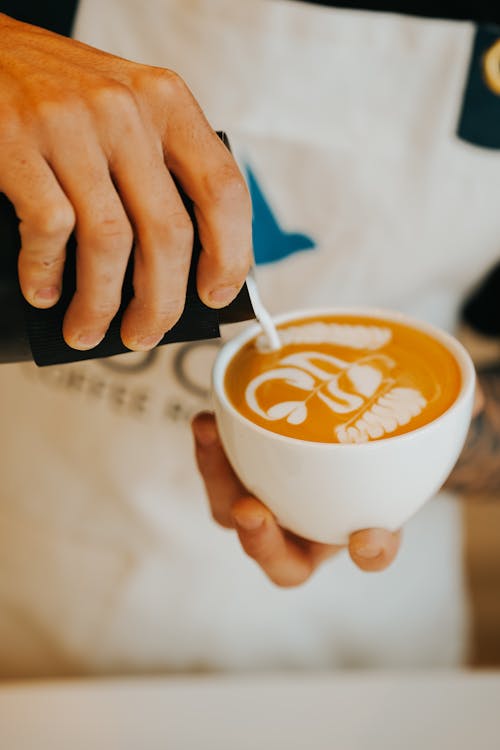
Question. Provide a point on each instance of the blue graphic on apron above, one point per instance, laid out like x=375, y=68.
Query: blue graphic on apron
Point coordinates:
x=271, y=243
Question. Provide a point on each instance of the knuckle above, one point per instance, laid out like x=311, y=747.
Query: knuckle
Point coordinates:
x=114, y=100
x=110, y=233
x=159, y=313
x=166, y=83
x=181, y=227
x=37, y=268
x=170, y=314
x=45, y=265
x=55, y=221
x=55, y=110
x=169, y=229
x=225, y=186
x=103, y=308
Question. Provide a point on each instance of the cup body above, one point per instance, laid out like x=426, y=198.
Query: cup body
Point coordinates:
x=326, y=491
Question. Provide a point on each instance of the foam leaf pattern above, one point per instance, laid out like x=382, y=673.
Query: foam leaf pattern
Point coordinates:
x=357, y=336
x=294, y=411
x=392, y=410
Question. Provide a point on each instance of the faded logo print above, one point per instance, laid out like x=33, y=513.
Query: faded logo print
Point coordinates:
x=170, y=383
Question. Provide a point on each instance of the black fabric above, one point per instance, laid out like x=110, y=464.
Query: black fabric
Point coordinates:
x=14, y=342
x=482, y=309
x=481, y=11
x=479, y=120
x=58, y=15
x=55, y=15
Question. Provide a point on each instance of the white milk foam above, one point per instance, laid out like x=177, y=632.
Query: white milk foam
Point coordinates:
x=373, y=406
x=353, y=336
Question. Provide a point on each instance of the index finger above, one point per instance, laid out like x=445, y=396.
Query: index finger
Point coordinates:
x=284, y=558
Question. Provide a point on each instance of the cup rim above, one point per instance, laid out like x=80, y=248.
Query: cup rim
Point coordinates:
x=458, y=351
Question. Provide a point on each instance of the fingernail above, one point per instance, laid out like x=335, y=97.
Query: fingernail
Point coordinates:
x=148, y=342
x=88, y=340
x=249, y=523
x=46, y=294
x=224, y=295
x=369, y=551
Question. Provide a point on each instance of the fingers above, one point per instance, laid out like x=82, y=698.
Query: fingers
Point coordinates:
x=164, y=245
x=286, y=560
x=104, y=238
x=221, y=483
x=88, y=137
x=211, y=178
x=46, y=221
x=223, y=215
x=374, y=549
x=145, y=203
x=89, y=141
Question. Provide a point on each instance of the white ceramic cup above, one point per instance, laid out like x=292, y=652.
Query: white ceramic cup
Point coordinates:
x=326, y=491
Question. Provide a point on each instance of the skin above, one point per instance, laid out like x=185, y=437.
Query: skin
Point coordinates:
x=91, y=143
x=477, y=473
x=288, y=560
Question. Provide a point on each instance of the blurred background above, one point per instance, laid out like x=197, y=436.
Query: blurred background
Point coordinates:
x=480, y=333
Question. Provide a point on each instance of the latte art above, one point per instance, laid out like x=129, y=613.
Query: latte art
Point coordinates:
x=346, y=380
x=354, y=336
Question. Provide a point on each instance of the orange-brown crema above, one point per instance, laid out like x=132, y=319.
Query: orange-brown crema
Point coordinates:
x=348, y=379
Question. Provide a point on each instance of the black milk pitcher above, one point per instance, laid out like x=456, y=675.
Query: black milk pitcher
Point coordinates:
x=27, y=333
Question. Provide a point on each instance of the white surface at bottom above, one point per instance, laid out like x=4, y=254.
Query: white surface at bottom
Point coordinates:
x=419, y=711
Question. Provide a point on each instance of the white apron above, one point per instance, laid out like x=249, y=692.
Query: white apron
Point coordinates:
x=109, y=562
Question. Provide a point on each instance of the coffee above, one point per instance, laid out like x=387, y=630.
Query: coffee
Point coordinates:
x=343, y=379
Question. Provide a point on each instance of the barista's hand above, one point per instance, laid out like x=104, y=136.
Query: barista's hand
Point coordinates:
x=286, y=559
x=91, y=142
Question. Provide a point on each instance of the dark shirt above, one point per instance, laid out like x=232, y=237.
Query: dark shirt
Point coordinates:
x=58, y=15
x=481, y=10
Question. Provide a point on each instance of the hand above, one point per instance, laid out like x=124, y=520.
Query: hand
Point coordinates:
x=287, y=559
x=91, y=142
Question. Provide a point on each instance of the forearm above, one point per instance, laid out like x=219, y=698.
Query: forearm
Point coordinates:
x=477, y=472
